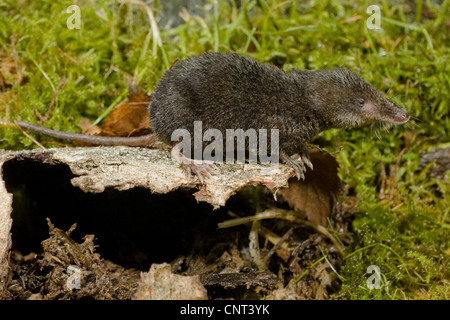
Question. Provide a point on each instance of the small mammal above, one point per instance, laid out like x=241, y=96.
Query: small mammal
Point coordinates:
x=230, y=91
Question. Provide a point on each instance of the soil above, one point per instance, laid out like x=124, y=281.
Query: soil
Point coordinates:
x=219, y=257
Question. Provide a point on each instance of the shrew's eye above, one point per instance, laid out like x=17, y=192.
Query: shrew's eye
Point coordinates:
x=361, y=102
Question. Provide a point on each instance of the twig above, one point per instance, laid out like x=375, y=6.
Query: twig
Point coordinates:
x=254, y=245
x=351, y=19
x=276, y=246
x=277, y=213
x=67, y=56
x=32, y=139
x=394, y=173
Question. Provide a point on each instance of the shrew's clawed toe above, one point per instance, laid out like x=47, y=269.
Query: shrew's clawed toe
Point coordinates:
x=298, y=163
x=202, y=169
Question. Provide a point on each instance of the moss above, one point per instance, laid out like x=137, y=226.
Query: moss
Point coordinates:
x=403, y=223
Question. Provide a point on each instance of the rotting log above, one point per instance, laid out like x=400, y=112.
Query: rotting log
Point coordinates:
x=123, y=168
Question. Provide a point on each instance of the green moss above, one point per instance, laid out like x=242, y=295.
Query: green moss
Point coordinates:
x=406, y=234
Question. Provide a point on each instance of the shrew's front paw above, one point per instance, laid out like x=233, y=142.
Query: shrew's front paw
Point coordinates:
x=299, y=162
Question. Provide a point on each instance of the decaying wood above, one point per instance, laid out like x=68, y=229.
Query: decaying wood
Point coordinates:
x=123, y=168
x=5, y=225
x=440, y=159
x=159, y=283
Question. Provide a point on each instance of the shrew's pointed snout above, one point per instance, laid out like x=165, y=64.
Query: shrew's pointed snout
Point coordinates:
x=400, y=116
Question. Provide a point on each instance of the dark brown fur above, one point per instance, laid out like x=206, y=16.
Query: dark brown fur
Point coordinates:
x=229, y=91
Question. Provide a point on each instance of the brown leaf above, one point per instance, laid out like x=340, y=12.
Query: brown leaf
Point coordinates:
x=85, y=126
x=316, y=195
x=131, y=118
x=125, y=120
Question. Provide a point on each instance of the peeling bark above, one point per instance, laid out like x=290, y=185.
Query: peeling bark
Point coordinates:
x=123, y=168
x=5, y=224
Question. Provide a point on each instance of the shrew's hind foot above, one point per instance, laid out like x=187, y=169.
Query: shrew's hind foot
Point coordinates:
x=297, y=161
x=202, y=169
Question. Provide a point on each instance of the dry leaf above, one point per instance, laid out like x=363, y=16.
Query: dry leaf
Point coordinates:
x=131, y=118
x=316, y=195
x=125, y=120
x=86, y=127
